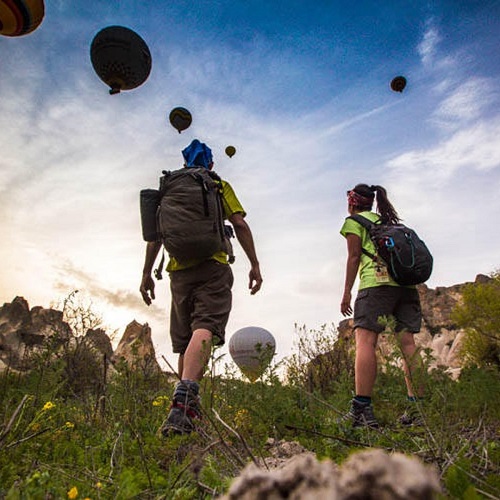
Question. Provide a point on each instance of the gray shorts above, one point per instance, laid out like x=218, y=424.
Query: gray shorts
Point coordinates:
x=201, y=298
x=400, y=302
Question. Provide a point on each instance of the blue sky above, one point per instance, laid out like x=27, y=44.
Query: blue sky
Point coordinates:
x=302, y=91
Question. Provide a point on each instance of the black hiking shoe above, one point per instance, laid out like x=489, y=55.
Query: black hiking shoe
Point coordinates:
x=411, y=417
x=361, y=415
x=181, y=418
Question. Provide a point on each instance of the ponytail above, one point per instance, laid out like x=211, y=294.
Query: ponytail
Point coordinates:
x=385, y=209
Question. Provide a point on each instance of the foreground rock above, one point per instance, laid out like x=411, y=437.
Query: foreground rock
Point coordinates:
x=368, y=474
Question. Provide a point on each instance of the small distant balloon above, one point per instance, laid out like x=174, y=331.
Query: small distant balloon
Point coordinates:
x=252, y=349
x=398, y=83
x=230, y=151
x=121, y=58
x=20, y=17
x=180, y=119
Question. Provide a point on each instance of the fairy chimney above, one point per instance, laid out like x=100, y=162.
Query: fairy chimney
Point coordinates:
x=136, y=349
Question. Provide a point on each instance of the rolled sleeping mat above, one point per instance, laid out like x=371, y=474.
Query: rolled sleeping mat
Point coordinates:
x=149, y=202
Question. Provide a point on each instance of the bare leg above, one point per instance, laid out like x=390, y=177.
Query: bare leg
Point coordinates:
x=365, y=366
x=412, y=365
x=193, y=362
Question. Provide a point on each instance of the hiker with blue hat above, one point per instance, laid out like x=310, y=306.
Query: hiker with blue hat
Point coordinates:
x=197, y=154
x=194, y=203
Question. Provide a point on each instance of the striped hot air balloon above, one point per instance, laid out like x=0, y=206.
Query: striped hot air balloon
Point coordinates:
x=180, y=119
x=252, y=349
x=120, y=58
x=20, y=17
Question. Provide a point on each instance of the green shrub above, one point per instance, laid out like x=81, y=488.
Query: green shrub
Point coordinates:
x=479, y=315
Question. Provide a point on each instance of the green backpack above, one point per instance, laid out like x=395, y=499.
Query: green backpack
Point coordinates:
x=190, y=214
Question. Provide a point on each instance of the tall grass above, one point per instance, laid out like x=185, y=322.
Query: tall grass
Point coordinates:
x=62, y=436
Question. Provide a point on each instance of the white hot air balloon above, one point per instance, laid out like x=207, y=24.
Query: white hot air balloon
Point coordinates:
x=252, y=349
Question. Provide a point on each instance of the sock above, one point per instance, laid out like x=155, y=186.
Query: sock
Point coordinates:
x=366, y=400
x=186, y=389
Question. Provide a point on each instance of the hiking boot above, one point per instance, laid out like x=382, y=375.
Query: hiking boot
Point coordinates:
x=411, y=417
x=180, y=419
x=361, y=415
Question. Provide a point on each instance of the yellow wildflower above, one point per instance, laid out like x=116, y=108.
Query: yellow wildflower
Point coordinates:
x=73, y=493
x=69, y=425
x=242, y=418
x=98, y=485
x=48, y=406
x=161, y=400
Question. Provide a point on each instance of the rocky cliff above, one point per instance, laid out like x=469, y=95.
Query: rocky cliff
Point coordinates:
x=25, y=332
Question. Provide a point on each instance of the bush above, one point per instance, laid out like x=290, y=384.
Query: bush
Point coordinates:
x=479, y=315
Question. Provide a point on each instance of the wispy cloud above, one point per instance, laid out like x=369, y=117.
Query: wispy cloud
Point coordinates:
x=476, y=147
x=71, y=278
x=466, y=103
x=428, y=45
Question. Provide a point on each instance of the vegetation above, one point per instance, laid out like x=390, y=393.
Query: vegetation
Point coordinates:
x=480, y=316
x=62, y=437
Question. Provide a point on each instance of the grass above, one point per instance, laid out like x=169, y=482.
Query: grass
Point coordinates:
x=63, y=435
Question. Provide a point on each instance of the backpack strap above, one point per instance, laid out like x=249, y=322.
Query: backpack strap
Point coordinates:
x=367, y=224
x=158, y=272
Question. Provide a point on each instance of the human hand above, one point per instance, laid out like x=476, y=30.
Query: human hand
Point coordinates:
x=147, y=289
x=345, y=305
x=255, y=279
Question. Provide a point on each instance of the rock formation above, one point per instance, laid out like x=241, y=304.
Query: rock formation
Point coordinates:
x=24, y=332
x=136, y=348
x=366, y=474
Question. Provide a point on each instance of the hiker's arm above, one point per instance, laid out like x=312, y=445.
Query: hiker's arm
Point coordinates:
x=244, y=235
x=147, y=288
x=353, y=259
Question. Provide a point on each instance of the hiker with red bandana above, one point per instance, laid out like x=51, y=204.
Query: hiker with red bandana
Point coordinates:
x=378, y=295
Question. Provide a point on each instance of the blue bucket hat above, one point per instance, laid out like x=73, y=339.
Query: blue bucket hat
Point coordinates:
x=197, y=154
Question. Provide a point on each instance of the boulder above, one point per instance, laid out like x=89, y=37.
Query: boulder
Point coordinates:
x=367, y=474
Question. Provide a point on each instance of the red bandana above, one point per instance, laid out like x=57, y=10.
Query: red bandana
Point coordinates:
x=358, y=200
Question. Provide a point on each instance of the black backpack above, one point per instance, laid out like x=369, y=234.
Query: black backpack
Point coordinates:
x=408, y=260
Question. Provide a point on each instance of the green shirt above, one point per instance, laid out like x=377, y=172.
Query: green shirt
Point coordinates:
x=231, y=205
x=366, y=266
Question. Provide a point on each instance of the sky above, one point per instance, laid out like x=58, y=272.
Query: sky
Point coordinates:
x=301, y=89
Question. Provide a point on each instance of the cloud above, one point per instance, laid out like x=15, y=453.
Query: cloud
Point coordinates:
x=465, y=104
x=427, y=47
x=71, y=278
x=475, y=147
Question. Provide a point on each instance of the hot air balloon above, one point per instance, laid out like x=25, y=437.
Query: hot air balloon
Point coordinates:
x=252, y=349
x=120, y=58
x=20, y=17
x=230, y=150
x=398, y=83
x=180, y=119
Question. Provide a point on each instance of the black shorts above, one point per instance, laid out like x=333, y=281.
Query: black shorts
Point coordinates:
x=201, y=298
x=400, y=302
